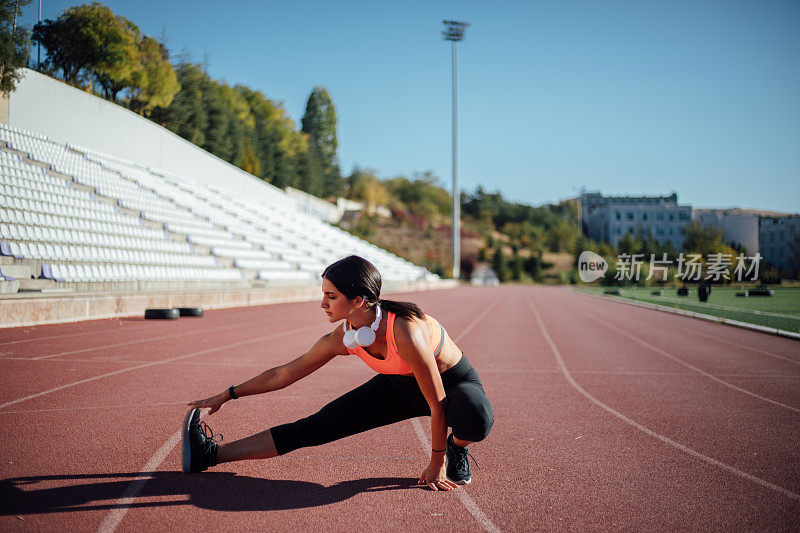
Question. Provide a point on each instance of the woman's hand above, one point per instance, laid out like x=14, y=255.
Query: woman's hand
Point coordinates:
x=434, y=476
x=213, y=403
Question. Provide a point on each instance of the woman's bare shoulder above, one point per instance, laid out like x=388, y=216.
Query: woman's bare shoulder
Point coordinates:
x=409, y=327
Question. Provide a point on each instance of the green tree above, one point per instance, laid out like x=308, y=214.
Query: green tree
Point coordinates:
x=154, y=83
x=119, y=39
x=250, y=162
x=533, y=266
x=422, y=196
x=319, y=123
x=702, y=239
x=500, y=263
x=516, y=266
x=186, y=115
x=562, y=236
x=630, y=244
x=89, y=44
x=365, y=186
x=14, y=42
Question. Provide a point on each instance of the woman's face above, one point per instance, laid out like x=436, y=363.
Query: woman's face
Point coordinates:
x=334, y=303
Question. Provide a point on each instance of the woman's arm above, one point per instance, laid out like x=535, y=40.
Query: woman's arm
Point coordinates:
x=325, y=349
x=415, y=349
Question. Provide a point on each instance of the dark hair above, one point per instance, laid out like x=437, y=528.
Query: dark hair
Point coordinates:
x=355, y=276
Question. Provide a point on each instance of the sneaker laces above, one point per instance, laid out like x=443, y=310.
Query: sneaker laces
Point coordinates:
x=209, y=434
x=463, y=459
x=468, y=456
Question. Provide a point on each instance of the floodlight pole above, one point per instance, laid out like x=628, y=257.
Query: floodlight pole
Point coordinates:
x=454, y=32
x=38, y=44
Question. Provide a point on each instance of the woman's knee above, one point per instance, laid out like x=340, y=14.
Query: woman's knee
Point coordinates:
x=476, y=427
x=470, y=414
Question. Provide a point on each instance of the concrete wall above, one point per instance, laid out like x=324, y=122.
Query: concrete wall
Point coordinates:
x=67, y=115
x=25, y=310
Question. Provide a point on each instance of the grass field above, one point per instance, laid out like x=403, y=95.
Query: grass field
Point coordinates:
x=781, y=311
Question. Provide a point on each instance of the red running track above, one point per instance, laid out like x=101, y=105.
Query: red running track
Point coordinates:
x=608, y=417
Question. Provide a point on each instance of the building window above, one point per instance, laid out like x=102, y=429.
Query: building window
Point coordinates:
x=659, y=216
x=671, y=216
x=629, y=215
x=683, y=216
x=644, y=216
x=617, y=214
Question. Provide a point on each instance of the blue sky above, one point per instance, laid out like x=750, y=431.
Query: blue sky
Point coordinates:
x=627, y=97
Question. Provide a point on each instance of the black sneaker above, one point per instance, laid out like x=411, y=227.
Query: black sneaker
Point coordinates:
x=458, y=462
x=198, y=444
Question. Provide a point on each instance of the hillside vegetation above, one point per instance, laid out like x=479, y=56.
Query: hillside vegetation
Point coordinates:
x=98, y=51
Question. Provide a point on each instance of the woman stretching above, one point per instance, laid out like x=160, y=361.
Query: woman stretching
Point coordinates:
x=421, y=372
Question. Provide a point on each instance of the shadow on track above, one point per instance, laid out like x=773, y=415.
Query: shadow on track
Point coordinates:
x=218, y=491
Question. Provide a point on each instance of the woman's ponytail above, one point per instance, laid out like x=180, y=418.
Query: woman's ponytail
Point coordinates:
x=402, y=309
x=355, y=276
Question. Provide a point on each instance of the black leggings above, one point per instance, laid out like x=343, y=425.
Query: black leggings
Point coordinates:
x=386, y=399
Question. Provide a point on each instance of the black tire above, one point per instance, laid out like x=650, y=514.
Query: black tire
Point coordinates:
x=161, y=314
x=190, y=311
x=703, y=291
x=761, y=292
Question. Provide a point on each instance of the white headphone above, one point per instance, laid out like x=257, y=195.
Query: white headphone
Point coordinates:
x=363, y=336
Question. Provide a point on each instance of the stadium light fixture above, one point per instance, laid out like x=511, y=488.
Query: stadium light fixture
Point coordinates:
x=454, y=32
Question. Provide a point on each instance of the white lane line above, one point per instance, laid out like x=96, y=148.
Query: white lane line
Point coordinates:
x=699, y=333
x=90, y=408
x=136, y=361
x=161, y=362
x=476, y=321
x=684, y=363
x=136, y=406
x=115, y=516
x=79, y=334
x=151, y=339
x=643, y=429
x=470, y=505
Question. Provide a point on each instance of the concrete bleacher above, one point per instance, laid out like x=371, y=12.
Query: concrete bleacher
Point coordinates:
x=72, y=218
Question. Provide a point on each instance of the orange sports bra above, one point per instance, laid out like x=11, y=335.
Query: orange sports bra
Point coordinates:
x=394, y=364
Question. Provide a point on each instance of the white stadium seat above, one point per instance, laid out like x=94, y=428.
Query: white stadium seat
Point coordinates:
x=46, y=217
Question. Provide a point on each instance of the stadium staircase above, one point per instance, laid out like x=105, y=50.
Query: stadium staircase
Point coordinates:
x=73, y=219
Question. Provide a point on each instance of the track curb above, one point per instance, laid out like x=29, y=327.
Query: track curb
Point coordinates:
x=36, y=311
x=710, y=318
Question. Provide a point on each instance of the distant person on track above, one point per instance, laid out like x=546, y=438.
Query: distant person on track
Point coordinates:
x=421, y=372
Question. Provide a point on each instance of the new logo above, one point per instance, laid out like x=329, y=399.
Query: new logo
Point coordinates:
x=591, y=266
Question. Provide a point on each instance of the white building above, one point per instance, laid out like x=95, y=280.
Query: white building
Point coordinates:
x=609, y=218
x=739, y=226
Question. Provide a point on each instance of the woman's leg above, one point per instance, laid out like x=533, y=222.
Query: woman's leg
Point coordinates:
x=374, y=404
x=258, y=446
x=462, y=443
x=468, y=412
